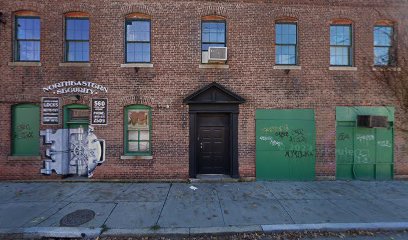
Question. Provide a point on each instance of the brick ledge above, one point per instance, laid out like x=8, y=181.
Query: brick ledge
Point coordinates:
x=25, y=64
x=125, y=157
x=24, y=158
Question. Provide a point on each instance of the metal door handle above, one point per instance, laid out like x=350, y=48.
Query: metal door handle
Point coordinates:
x=201, y=145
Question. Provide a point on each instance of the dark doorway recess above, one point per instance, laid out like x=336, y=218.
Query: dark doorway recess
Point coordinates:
x=214, y=131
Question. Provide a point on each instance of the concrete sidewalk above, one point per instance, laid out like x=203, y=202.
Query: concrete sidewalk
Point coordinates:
x=37, y=209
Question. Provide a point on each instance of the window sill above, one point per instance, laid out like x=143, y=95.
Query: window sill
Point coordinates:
x=25, y=64
x=136, y=65
x=128, y=157
x=387, y=69
x=343, y=68
x=287, y=67
x=209, y=65
x=75, y=64
x=24, y=158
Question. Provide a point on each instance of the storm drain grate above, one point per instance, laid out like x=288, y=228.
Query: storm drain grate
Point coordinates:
x=77, y=218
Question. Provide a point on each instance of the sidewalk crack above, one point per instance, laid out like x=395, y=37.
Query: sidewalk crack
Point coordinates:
x=293, y=221
x=221, y=209
x=164, y=203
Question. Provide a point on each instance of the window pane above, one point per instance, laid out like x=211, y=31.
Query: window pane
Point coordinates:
x=213, y=32
x=206, y=37
x=285, y=55
x=291, y=29
x=286, y=34
x=133, y=135
x=28, y=28
x=340, y=35
x=381, y=55
x=133, y=146
x=138, y=52
x=138, y=31
x=78, y=51
x=144, y=146
x=29, y=50
x=339, y=56
x=138, y=119
x=144, y=135
x=383, y=36
x=77, y=29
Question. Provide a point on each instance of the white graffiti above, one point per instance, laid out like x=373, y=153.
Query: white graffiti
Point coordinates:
x=362, y=138
x=362, y=156
x=384, y=143
x=272, y=141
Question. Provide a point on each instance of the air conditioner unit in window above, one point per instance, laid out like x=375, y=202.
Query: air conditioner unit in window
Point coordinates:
x=371, y=121
x=217, y=54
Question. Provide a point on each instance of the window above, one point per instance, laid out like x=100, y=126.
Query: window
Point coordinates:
x=286, y=44
x=137, y=130
x=137, y=41
x=27, y=39
x=383, y=36
x=340, y=45
x=25, y=127
x=212, y=35
x=76, y=39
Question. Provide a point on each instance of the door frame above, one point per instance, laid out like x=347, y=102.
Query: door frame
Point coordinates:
x=214, y=98
x=232, y=110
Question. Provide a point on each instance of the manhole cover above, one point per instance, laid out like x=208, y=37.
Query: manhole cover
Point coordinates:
x=77, y=218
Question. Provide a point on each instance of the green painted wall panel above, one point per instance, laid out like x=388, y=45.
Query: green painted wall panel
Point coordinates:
x=384, y=145
x=281, y=114
x=364, y=171
x=363, y=153
x=344, y=145
x=344, y=171
x=384, y=171
x=364, y=146
x=285, y=144
x=279, y=170
x=25, y=130
x=350, y=113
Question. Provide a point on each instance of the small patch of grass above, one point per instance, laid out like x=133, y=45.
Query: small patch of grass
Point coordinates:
x=104, y=228
x=155, y=227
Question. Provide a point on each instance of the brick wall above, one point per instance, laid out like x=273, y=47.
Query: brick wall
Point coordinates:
x=176, y=56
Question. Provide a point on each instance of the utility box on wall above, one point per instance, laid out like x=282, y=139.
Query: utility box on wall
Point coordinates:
x=364, y=143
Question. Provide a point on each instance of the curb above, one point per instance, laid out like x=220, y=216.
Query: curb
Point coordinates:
x=78, y=232
x=57, y=232
x=336, y=227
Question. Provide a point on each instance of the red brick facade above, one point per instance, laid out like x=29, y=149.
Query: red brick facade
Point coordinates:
x=176, y=56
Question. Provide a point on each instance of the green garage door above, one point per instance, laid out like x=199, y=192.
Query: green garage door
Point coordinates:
x=285, y=144
x=361, y=152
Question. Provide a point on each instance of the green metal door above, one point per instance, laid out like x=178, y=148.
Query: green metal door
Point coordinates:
x=285, y=144
x=363, y=153
x=25, y=130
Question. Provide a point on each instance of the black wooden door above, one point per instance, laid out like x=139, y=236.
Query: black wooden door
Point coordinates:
x=213, y=144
